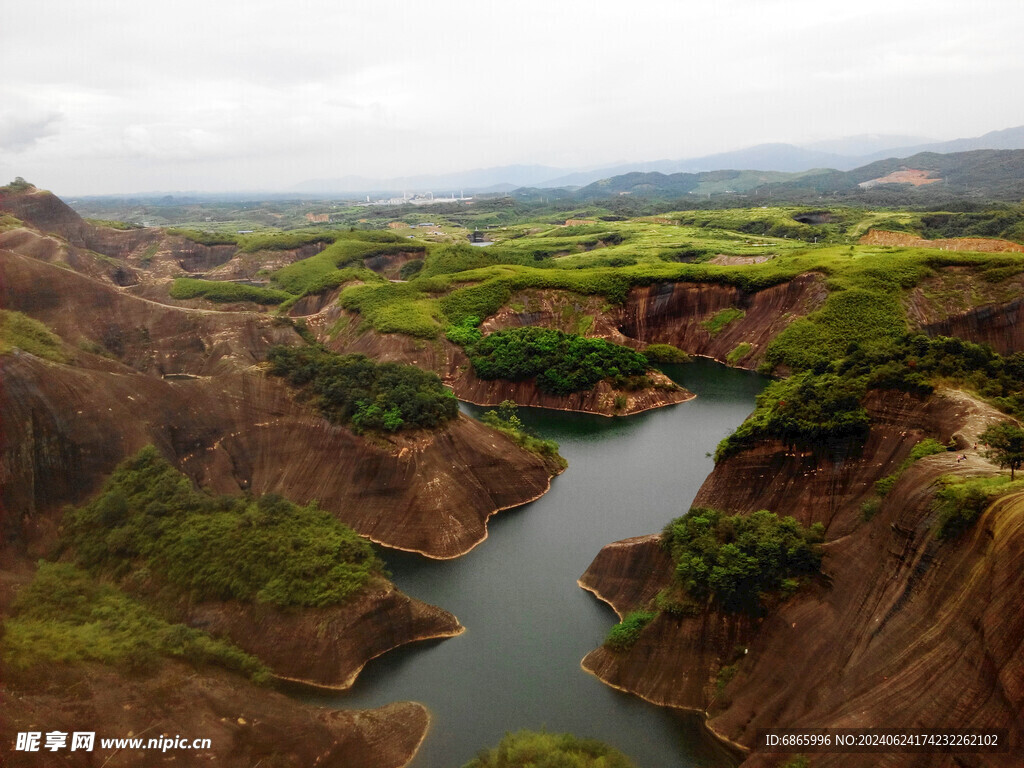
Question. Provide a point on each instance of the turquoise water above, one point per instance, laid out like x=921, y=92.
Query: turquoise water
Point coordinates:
x=528, y=622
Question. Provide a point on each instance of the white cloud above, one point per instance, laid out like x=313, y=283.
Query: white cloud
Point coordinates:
x=112, y=95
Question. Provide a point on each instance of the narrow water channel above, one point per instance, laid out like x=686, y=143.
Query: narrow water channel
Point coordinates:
x=528, y=623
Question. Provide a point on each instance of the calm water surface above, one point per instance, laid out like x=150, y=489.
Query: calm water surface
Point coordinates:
x=528, y=624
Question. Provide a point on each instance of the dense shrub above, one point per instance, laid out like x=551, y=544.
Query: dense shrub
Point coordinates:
x=665, y=353
x=64, y=617
x=562, y=363
x=217, y=548
x=369, y=396
x=821, y=408
x=739, y=561
x=530, y=749
x=808, y=410
x=410, y=269
x=624, y=635
x=959, y=502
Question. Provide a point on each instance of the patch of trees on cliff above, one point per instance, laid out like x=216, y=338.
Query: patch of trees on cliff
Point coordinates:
x=821, y=408
x=367, y=396
x=562, y=363
x=65, y=616
x=741, y=561
x=151, y=528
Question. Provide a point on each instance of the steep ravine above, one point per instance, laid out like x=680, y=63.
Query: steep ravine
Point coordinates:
x=902, y=630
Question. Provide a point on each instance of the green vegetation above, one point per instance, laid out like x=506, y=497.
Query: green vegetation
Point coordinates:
x=959, y=502
x=368, y=396
x=665, y=353
x=396, y=307
x=506, y=420
x=112, y=224
x=66, y=617
x=741, y=562
x=204, y=237
x=562, y=363
x=822, y=409
x=806, y=410
x=318, y=272
x=18, y=185
x=410, y=269
x=150, y=524
x=927, y=447
x=721, y=319
x=738, y=352
x=1004, y=445
x=531, y=749
x=284, y=241
x=222, y=291
x=624, y=635
x=18, y=331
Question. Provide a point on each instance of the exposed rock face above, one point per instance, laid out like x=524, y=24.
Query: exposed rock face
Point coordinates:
x=226, y=424
x=674, y=313
x=390, y=264
x=431, y=492
x=246, y=725
x=327, y=646
x=904, y=630
x=452, y=364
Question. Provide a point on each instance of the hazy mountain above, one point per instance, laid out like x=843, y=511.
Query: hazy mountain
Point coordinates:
x=843, y=154
x=868, y=143
x=478, y=179
x=1010, y=138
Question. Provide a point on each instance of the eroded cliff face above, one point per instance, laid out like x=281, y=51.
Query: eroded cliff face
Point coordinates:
x=902, y=630
x=431, y=492
x=672, y=313
x=342, y=331
x=326, y=647
x=246, y=725
x=676, y=313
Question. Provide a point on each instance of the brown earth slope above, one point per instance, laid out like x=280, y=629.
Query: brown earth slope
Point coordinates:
x=903, y=630
x=247, y=726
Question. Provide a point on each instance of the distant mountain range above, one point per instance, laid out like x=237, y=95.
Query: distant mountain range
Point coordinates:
x=844, y=154
x=991, y=174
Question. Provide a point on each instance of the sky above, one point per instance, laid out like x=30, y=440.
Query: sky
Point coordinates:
x=109, y=96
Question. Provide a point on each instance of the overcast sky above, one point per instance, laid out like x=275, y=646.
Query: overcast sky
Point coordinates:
x=110, y=96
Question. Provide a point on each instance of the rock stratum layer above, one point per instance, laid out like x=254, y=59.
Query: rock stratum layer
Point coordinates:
x=901, y=630
x=186, y=381
x=246, y=725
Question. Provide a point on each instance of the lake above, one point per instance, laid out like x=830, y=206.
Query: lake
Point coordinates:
x=528, y=624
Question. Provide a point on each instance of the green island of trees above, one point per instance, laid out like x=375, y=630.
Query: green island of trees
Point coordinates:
x=741, y=562
x=368, y=396
x=150, y=523
x=562, y=363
